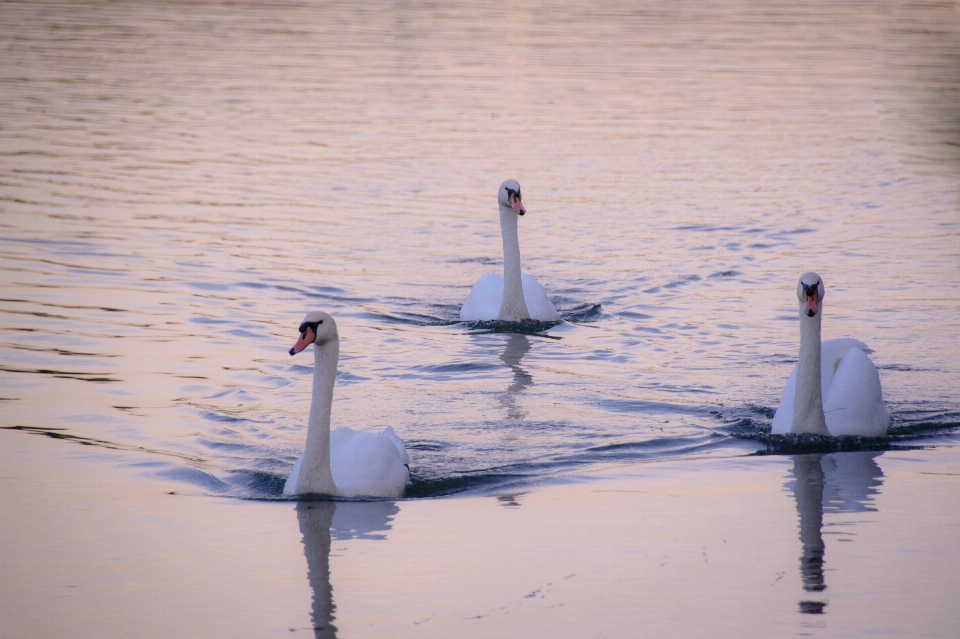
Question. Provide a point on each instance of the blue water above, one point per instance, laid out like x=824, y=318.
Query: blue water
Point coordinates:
x=179, y=185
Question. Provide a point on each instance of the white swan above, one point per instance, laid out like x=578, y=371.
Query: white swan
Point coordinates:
x=834, y=389
x=513, y=297
x=345, y=462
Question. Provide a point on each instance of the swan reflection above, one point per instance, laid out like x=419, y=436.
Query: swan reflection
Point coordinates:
x=834, y=483
x=516, y=347
x=320, y=523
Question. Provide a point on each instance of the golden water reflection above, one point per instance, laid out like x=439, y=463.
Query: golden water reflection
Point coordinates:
x=516, y=347
x=834, y=483
x=315, y=518
x=320, y=523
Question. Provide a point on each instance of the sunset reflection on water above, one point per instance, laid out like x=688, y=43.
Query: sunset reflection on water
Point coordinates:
x=179, y=183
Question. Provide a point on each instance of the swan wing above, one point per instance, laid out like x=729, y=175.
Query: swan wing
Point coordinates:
x=483, y=302
x=538, y=304
x=389, y=434
x=853, y=403
x=831, y=352
x=340, y=436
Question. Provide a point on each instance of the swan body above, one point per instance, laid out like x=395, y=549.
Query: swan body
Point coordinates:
x=834, y=389
x=343, y=462
x=514, y=297
x=356, y=449
x=485, y=298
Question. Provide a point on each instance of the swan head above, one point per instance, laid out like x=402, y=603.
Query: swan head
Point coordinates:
x=509, y=197
x=316, y=328
x=810, y=293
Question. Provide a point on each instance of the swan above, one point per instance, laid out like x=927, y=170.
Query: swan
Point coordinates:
x=345, y=462
x=834, y=389
x=513, y=297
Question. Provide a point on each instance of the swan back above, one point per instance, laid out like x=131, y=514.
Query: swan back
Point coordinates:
x=483, y=303
x=368, y=464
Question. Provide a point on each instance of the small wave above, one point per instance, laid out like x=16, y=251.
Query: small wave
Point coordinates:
x=214, y=416
x=449, y=315
x=490, y=261
x=456, y=367
x=442, y=486
x=240, y=464
x=208, y=320
x=60, y=433
x=408, y=319
x=195, y=477
x=83, y=377
x=909, y=427
x=526, y=327
x=650, y=407
x=683, y=281
x=634, y=315
x=209, y=286
x=706, y=227
x=673, y=444
x=582, y=313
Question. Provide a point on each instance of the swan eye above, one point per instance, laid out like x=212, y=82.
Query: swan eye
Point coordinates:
x=311, y=325
x=810, y=289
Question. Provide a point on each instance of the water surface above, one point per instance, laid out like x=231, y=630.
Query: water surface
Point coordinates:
x=181, y=183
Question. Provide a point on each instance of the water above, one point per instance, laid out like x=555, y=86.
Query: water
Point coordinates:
x=181, y=183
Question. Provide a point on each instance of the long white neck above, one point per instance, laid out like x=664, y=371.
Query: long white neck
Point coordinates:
x=315, y=476
x=808, y=402
x=513, y=308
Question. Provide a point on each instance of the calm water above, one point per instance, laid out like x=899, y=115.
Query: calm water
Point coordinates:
x=180, y=183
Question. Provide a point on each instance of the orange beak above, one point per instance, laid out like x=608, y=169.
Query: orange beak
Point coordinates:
x=810, y=304
x=306, y=339
x=517, y=205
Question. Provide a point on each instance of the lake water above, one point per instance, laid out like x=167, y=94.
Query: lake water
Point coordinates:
x=180, y=183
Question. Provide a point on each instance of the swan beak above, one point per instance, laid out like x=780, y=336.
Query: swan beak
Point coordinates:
x=517, y=205
x=810, y=304
x=306, y=339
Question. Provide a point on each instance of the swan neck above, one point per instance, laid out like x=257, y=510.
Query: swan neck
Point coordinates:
x=513, y=308
x=315, y=475
x=808, y=403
